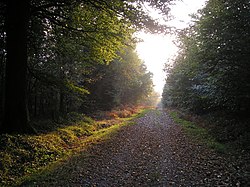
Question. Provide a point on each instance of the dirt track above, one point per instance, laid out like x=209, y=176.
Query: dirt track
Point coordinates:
x=152, y=152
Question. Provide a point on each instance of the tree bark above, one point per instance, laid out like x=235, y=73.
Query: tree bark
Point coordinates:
x=16, y=112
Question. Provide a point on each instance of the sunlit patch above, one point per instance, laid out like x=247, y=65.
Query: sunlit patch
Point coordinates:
x=155, y=50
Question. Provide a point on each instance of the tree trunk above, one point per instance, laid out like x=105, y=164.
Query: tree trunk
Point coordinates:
x=2, y=80
x=16, y=112
x=35, y=101
x=62, y=104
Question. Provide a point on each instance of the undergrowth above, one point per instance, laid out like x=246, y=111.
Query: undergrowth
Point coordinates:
x=199, y=133
x=23, y=156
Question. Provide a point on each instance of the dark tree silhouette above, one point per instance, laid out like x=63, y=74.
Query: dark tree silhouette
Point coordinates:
x=16, y=113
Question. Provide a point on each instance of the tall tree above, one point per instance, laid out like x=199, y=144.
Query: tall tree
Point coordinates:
x=50, y=14
x=16, y=113
x=125, y=81
x=211, y=73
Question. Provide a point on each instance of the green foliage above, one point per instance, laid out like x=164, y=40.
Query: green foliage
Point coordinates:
x=125, y=81
x=22, y=156
x=76, y=89
x=210, y=71
x=210, y=75
x=74, y=117
x=67, y=41
x=199, y=133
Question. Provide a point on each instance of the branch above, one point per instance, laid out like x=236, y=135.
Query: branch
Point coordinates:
x=49, y=5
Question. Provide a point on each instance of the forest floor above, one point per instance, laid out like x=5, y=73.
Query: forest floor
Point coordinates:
x=153, y=151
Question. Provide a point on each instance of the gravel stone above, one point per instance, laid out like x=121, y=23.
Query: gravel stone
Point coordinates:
x=152, y=152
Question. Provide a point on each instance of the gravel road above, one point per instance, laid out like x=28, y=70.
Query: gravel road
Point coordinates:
x=152, y=152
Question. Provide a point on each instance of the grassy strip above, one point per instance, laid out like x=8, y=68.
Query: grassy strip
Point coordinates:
x=24, y=157
x=198, y=133
x=43, y=173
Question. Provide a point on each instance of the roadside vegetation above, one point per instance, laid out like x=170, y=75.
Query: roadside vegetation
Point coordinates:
x=198, y=133
x=25, y=156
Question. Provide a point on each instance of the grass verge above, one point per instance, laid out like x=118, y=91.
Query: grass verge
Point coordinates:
x=25, y=157
x=198, y=133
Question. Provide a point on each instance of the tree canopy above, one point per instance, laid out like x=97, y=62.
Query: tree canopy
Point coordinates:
x=49, y=65
x=211, y=73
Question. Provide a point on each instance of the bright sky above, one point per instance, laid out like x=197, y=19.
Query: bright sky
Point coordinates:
x=155, y=50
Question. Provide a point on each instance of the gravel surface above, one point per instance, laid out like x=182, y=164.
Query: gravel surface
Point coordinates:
x=152, y=152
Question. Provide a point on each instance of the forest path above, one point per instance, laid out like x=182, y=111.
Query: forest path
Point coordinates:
x=152, y=152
